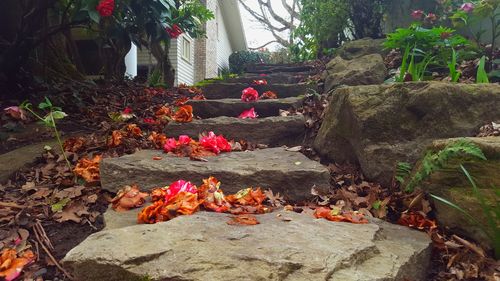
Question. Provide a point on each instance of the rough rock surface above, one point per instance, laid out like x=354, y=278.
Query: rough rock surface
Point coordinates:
x=14, y=160
x=234, y=107
x=233, y=90
x=452, y=184
x=291, y=247
x=364, y=70
x=271, y=78
x=380, y=125
x=290, y=173
x=274, y=131
x=362, y=47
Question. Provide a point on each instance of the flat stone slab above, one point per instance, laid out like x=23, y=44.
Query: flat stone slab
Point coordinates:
x=16, y=159
x=271, y=78
x=234, y=107
x=273, y=131
x=233, y=90
x=284, y=246
x=290, y=173
x=272, y=68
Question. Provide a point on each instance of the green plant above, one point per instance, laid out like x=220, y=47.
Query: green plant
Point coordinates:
x=154, y=80
x=433, y=162
x=436, y=41
x=492, y=214
x=241, y=59
x=452, y=66
x=415, y=69
x=482, y=76
x=53, y=113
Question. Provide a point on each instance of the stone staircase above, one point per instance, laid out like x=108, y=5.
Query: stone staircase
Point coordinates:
x=284, y=246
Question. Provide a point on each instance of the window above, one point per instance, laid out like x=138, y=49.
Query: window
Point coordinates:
x=186, y=49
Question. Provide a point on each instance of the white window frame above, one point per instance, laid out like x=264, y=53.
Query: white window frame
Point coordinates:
x=186, y=44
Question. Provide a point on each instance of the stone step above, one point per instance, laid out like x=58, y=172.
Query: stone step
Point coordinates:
x=284, y=246
x=272, y=68
x=274, y=131
x=234, y=107
x=271, y=78
x=233, y=90
x=290, y=173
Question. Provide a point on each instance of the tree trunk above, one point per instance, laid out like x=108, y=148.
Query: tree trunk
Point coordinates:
x=164, y=65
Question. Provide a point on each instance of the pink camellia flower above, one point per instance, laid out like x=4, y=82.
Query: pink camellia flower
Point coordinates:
x=15, y=112
x=170, y=145
x=184, y=140
x=467, y=7
x=251, y=114
x=215, y=144
x=417, y=14
x=179, y=186
x=249, y=95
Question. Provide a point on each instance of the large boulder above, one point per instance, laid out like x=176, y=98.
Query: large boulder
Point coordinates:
x=362, y=47
x=364, y=70
x=284, y=246
x=452, y=184
x=378, y=126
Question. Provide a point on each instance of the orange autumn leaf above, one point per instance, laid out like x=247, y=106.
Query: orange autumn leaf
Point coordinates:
x=115, y=139
x=417, y=220
x=212, y=196
x=247, y=197
x=12, y=264
x=184, y=203
x=128, y=198
x=157, y=139
x=74, y=144
x=134, y=130
x=331, y=215
x=269, y=95
x=164, y=113
x=199, y=97
x=181, y=101
x=243, y=220
x=184, y=114
x=88, y=169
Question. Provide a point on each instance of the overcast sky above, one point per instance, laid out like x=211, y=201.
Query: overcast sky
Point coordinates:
x=255, y=32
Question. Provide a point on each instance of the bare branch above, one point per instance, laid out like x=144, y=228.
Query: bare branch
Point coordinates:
x=260, y=47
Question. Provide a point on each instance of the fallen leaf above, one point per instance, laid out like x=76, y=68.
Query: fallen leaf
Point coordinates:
x=129, y=197
x=336, y=216
x=184, y=114
x=88, y=169
x=115, y=139
x=243, y=220
x=12, y=263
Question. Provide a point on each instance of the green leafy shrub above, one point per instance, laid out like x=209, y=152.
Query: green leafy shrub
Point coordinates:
x=241, y=59
x=482, y=76
x=436, y=41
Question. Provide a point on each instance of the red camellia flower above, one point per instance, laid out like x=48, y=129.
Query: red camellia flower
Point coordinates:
x=105, y=8
x=174, y=31
x=149, y=121
x=127, y=110
x=417, y=14
x=215, y=144
x=251, y=114
x=249, y=95
x=179, y=186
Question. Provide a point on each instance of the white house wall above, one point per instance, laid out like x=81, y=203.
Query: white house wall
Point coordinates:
x=224, y=49
x=184, y=68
